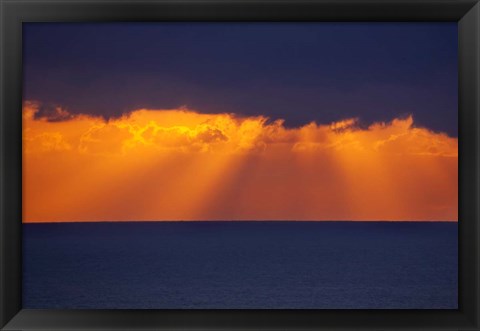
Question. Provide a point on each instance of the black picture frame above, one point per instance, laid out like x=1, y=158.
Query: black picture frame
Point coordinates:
x=15, y=12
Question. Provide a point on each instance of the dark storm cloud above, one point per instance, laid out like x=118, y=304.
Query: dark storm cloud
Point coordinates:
x=301, y=72
x=52, y=112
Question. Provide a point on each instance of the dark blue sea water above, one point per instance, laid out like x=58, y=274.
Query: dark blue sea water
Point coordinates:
x=240, y=265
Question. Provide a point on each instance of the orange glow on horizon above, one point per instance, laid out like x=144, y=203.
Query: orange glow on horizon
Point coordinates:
x=183, y=165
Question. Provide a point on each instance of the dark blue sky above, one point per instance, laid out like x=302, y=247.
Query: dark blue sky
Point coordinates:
x=296, y=71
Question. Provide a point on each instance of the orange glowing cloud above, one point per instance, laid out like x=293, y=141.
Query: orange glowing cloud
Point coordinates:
x=184, y=165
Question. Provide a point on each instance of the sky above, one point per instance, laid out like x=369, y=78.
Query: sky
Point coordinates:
x=240, y=121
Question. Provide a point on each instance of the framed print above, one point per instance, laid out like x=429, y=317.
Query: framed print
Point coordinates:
x=226, y=165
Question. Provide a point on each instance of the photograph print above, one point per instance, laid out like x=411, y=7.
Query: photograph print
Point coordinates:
x=240, y=165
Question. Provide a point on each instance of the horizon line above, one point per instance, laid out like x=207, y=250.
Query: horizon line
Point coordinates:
x=250, y=221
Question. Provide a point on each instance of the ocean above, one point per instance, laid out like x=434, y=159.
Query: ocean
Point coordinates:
x=240, y=265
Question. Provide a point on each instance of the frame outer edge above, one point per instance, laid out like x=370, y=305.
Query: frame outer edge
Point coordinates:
x=3, y=302
x=10, y=154
x=469, y=163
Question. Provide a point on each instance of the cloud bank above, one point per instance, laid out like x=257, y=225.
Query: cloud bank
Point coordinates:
x=179, y=164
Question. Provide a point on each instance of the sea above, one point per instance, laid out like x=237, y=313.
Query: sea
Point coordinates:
x=240, y=265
